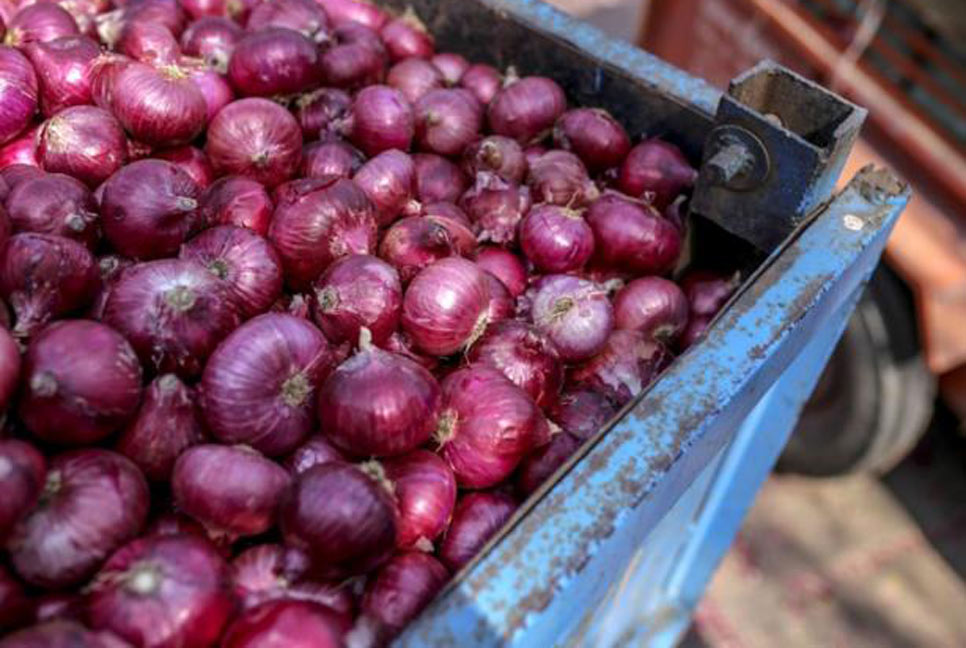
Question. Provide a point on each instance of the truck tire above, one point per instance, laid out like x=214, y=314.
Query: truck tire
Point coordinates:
x=875, y=399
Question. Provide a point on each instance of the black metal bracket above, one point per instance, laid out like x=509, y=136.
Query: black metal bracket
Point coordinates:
x=778, y=145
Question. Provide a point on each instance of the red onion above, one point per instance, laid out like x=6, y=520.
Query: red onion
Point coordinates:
x=447, y=121
x=496, y=154
x=317, y=450
x=438, y=179
x=654, y=306
x=174, y=313
x=159, y=106
x=484, y=81
x=401, y=344
x=14, y=604
x=657, y=169
x=304, y=16
x=104, y=72
x=213, y=39
x=274, y=61
x=414, y=77
x=293, y=624
x=42, y=21
x=85, y=142
x=21, y=151
x=708, y=292
x=54, y=204
x=534, y=151
x=582, y=412
x=399, y=591
x=343, y=519
x=61, y=633
x=575, y=314
x=456, y=223
x=452, y=66
x=326, y=159
x=388, y=179
x=93, y=502
x=63, y=68
x=693, y=332
x=232, y=490
x=176, y=524
x=292, y=191
x=163, y=591
x=18, y=93
x=556, y=239
x=148, y=42
x=407, y=36
x=161, y=12
x=59, y=606
x=445, y=306
x=14, y=174
x=594, y=135
x=526, y=109
x=235, y=200
x=524, y=355
x=235, y=10
x=382, y=119
x=256, y=138
x=477, y=518
x=414, y=243
x=9, y=372
x=357, y=59
x=632, y=236
x=377, y=403
x=505, y=266
x=148, y=208
x=320, y=227
x=560, y=178
x=259, y=387
x=359, y=11
x=501, y=305
x=355, y=292
x=165, y=426
x=22, y=471
x=192, y=161
x=214, y=88
x=322, y=113
x=543, y=462
x=627, y=364
x=244, y=261
x=496, y=207
x=425, y=490
x=110, y=268
x=43, y=277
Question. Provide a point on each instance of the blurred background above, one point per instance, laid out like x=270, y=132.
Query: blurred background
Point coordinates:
x=860, y=538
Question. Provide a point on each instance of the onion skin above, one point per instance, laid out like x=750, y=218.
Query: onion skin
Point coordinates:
x=255, y=138
x=496, y=154
x=59, y=607
x=342, y=518
x=447, y=121
x=54, y=204
x=708, y=292
x=406, y=36
x=632, y=236
x=654, y=306
x=594, y=135
x=399, y=591
x=425, y=490
x=61, y=633
x=575, y=314
x=317, y=450
x=478, y=516
x=63, y=68
x=444, y=308
x=451, y=65
x=22, y=474
x=657, y=169
x=158, y=106
x=524, y=355
x=9, y=370
x=319, y=227
x=214, y=88
x=496, y=207
x=274, y=61
x=401, y=344
x=294, y=624
x=43, y=21
x=358, y=58
x=18, y=93
x=556, y=239
x=414, y=243
x=192, y=161
x=624, y=368
x=305, y=16
x=14, y=604
x=501, y=305
x=44, y=276
x=21, y=151
x=484, y=81
x=355, y=292
x=163, y=591
x=438, y=179
x=81, y=381
x=232, y=490
x=487, y=425
x=236, y=200
x=148, y=42
x=148, y=208
x=505, y=266
x=363, y=12
x=560, y=178
x=247, y=264
x=322, y=113
x=526, y=109
x=382, y=119
x=582, y=412
x=543, y=462
x=173, y=312
x=388, y=179
x=213, y=39
x=414, y=77
x=259, y=386
x=325, y=159
x=93, y=502
x=165, y=425
x=85, y=142
x=16, y=173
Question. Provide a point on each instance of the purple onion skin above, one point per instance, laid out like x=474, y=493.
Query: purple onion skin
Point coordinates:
x=341, y=518
x=235, y=200
x=192, y=161
x=388, y=179
x=54, y=204
x=305, y=16
x=708, y=292
x=447, y=121
x=560, y=178
x=213, y=39
x=524, y=355
x=81, y=381
x=575, y=314
x=163, y=591
x=173, y=312
x=355, y=292
x=582, y=412
x=326, y=159
x=478, y=516
x=656, y=307
x=399, y=591
x=501, y=305
x=274, y=61
x=425, y=490
x=594, y=135
x=63, y=68
x=247, y=264
x=537, y=467
x=632, y=236
x=22, y=150
x=452, y=66
x=287, y=623
x=61, y=633
x=9, y=367
x=161, y=107
x=43, y=21
x=505, y=266
x=697, y=326
x=322, y=113
x=148, y=208
x=438, y=179
x=556, y=239
x=658, y=170
x=22, y=474
x=406, y=36
x=484, y=81
x=526, y=109
x=19, y=93
x=316, y=450
x=93, y=502
x=415, y=77
x=363, y=12
x=496, y=154
x=496, y=207
x=382, y=119
x=85, y=142
x=15, y=173
x=166, y=424
x=624, y=368
x=321, y=226
x=43, y=277
x=232, y=490
x=148, y=42
x=414, y=243
x=358, y=58
x=14, y=604
x=259, y=386
x=214, y=88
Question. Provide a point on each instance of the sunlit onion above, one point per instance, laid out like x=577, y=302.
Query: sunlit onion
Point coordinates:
x=159, y=106
x=398, y=592
x=425, y=490
x=575, y=314
x=556, y=239
x=632, y=236
x=484, y=81
x=63, y=68
x=452, y=66
x=355, y=292
x=388, y=179
x=505, y=266
x=54, y=204
x=560, y=178
x=358, y=57
x=628, y=363
x=317, y=450
x=326, y=159
x=322, y=114
x=213, y=39
x=236, y=200
x=594, y=135
x=526, y=109
x=41, y=21
x=496, y=207
x=18, y=93
x=274, y=61
x=286, y=623
x=656, y=170
x=438, y=179
x=654, y=306
x=305, y=16
x=496, y=154
x=382, y=119
x=414, y=77
x=22, y=474
x=359, y=11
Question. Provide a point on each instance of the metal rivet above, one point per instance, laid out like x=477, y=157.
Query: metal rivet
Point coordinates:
x=853, y=222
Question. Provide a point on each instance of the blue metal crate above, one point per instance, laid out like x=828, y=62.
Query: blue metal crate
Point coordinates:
x=617, y=550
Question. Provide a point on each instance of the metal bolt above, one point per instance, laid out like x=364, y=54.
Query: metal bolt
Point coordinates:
x=853, y=222
x=729, y=163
